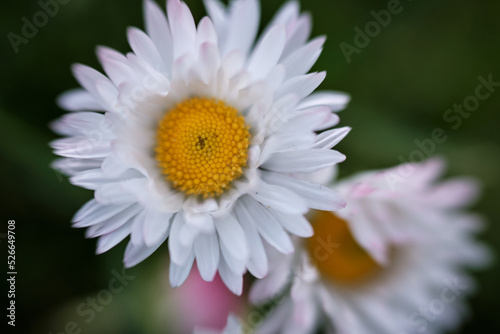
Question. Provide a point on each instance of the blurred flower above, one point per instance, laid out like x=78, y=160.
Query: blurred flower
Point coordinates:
x=233, y=326
x=391, y=262
x=204, y=139
x=201, y=304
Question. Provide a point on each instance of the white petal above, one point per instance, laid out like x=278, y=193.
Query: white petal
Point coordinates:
x=121, y=192
x=305, y=161
x=217, y=12
x=267, y=53
x=279, y=198
x=178, y=274
x=288, y=12
x=115, y=65
x=143, y=47
x=179, y=253
x=335, y=100
x=96, y=214
x=135, y=254
x=268, y=227
x=242, y=26
x=79, y=123
x=206, y=250
x=318, y=196
x=70, y=166
x=111, y=224
x=81, y=148
x=236, y=265
x=232, y=236
x=78, y=99
x=113, y=166
x=293, y=223
x=233, y=281
x=158, y=30
x=301, y=61
x=298, y=32
x=258, y=264
x=156, y=225
x=301, y=86
x=94, y=82
x=309, y=121
x=182, y=27
x=87, y=209
x=110, y=240
x=206, y=32
x=200, y=221
x=330, y=138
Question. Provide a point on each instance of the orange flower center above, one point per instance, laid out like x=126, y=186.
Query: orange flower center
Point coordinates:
x=202, y=146
x=335, y=252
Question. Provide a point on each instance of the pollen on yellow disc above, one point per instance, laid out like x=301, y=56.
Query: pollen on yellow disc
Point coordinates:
x=202, y=146
x=336, y=254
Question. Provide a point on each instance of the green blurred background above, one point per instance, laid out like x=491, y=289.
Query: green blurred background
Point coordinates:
x=428, y=58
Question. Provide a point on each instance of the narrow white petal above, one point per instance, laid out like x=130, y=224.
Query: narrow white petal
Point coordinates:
x=87, y=209
x=156, y=225
x=301, y=86
x=78, y=123
x=182, y=27
x=335, y=100
x=279, y=198
x=268, y=227
x=70, y=166
x=236, y=265
x=318, y=196
x=78, y=99
x=179, y=273
x=258, y=264
x=121, y=192
x=91, y=79
x=143, y=47
x=206, y=250
x=115, y=65
x=111, y=224
x=158, y=30
x=305, y=161
x=97, y=214
x=232, y=236
x=218, y=14
x=301, y=61
x=137, y=234
x=288, y=12
x=206, y=32
x=330, y=138
x=293, y=223
x=81, y=148
x=135, y=254
x=178, y=252
x=110, y=240
x=298, y=32
x=232, y=280
x=242, y=27
x=267, y=52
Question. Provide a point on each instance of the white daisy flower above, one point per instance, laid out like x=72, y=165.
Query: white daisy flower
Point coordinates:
x=419, y=286
x=204, y=136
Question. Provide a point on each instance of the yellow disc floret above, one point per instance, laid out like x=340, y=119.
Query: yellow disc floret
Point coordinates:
x=335, y=252
x=202, y=146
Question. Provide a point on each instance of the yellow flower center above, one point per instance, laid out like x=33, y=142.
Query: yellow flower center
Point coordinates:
x=202, y=146
x=336, y=254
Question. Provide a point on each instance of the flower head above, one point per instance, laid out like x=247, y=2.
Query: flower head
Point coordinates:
x=204, y=135
x=418, y=285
